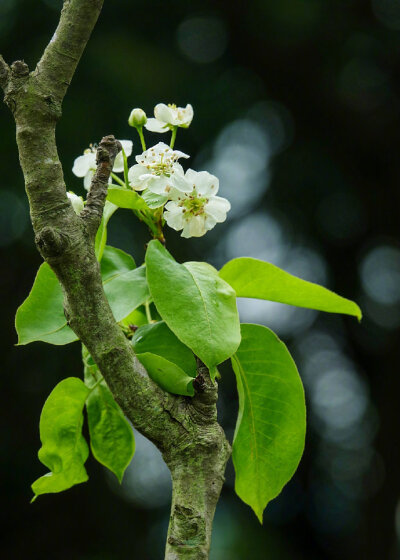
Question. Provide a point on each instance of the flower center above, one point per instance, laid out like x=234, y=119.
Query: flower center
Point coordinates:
x=160, y=164
x=194, y=205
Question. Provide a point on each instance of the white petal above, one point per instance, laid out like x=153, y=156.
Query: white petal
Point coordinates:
x=163, y=113
x=76, y=201
x=179, y=182
x=127, y=145
x=210, y=222
x=119, y=160
x=174, y=217
x=187, y=116
x=179, y=154
x=134, y=174
x=158, y=185
x=153, y=125
x=217, y=207
x=195, y=227
x=205, y=183
x=88, y=179
x=82, y=164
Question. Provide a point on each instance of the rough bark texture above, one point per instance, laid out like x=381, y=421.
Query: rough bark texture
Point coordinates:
x=185, y=430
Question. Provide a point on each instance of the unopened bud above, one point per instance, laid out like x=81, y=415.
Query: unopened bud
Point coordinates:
x=137, y=118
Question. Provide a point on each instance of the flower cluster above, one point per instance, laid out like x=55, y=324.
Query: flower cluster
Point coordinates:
x=188, y=200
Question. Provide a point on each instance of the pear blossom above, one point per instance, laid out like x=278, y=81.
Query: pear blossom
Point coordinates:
x=168, y=116
x=76, y=201
x=199, y=210
x=85, y=166
x=158, y=170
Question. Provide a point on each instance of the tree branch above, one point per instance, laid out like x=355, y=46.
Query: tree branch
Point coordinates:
x=93, y=211
x=60, y=59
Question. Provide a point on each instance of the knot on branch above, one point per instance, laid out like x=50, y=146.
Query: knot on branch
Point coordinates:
x=51, y=242
x=19, y=69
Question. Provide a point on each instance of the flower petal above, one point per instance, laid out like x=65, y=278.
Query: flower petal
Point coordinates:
x=153, y=125
x=174, y=216
x=82, y=164
x=88, y=179
x=76, y=201
x=217, y=207
x=134, y=177
x=163, y=113
x=158, y=184
x=205, y=183
x=195, y=227
x=179, y=182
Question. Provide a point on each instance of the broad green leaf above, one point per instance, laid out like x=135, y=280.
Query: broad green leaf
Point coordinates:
x=126, y=198
x=253, y=278
x=64, y=449
x=158, y=339
x=154, y=200
x=270, y=430
x=111, y=436
x=126, y=292
x=167, y=374
x=197, y=305
x=115, y=261
x=101, y=236
x=41, y=315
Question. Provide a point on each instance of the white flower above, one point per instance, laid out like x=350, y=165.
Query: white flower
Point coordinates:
x=198, y=211
x=167, y=116
x=85, y=166
x=157, y=169
x=76, y=201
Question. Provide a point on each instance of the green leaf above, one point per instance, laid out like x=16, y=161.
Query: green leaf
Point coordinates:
x=111, y=437
x=64, y=449
x=167, y=375
x=101, y=236
x=270, y=430
x=126, y=198
x=158, y=339
x=253, y=278
x=137, y=318
x=115, y=261
x=197, y=305
x=154, y=200
x=41, y=315
x=126, y=292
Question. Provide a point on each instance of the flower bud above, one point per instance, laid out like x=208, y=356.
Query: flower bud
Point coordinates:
x=137, y=118
x=76, y=201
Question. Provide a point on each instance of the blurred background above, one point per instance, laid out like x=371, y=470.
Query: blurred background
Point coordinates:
x=297, y=106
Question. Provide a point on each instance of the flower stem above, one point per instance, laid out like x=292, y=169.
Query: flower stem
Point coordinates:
x=148, y=313
x=119, y=181
x=140, y=132
x=173, y=137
